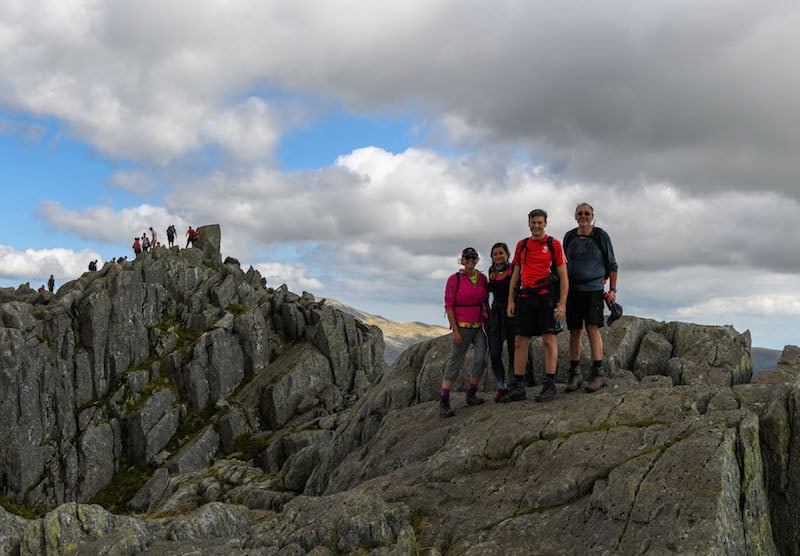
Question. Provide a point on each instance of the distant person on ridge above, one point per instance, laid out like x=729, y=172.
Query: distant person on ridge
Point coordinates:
x=191, y=236
x=137, y=247
x=51, y=284
x=535, y=306
x=145, y=242
x=466, y=296
x=93, y=265
x=591, y=261
x=171, y=233
x=500, y=327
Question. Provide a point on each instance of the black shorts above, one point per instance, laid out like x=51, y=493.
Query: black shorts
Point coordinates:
x=584, y=307
x=534, y=315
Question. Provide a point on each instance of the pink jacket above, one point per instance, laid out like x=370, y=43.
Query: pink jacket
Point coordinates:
x=469, y=301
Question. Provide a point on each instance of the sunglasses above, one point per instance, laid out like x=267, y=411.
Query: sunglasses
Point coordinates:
x=581, y=213
x=471, y=257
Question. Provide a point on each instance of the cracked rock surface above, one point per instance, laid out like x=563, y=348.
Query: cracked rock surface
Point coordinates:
x=300, y=442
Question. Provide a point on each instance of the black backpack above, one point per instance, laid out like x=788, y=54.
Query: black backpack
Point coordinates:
x=596, y=234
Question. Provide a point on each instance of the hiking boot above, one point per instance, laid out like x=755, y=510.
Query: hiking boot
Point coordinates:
x=444, y=408
x=548, y=392
x=501, y=393
x=596, y=384
x=473, y=399
x=575, y=380
x=516, y=390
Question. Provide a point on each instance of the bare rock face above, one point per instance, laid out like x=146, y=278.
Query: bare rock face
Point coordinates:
x=124, y=365
x=236, y=418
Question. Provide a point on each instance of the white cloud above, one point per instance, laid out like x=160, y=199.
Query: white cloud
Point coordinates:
x=101, y=223
x=606, y=95
x=39, y=264
x=133, y=181
x=766, y=305
x=293, y=275
x=248, y=130
x=680, y=131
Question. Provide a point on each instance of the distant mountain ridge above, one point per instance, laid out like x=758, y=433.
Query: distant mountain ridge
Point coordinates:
x=397, y=336
x=764, y=358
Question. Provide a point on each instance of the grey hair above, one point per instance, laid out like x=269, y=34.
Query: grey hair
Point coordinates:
x=579, y=205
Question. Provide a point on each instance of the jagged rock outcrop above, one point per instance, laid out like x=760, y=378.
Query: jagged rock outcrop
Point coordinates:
x=125, y=364
x=210, y=414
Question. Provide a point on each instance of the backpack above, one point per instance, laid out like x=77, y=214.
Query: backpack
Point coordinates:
x=596, y=234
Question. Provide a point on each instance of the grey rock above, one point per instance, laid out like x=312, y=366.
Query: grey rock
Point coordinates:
x=12, y=529
x=790, y=356
x=230, y=427
x=682, y=453
x=197, y=454
x=152, y=489
x=151, y=426
x=301, y=374
x=654, y=353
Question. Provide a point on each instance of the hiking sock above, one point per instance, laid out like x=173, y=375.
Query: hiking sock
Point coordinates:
x=573, y=365
x=597, y=367
x=472, y=388
x=446, y=393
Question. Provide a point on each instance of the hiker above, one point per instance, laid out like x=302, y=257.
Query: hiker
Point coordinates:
x=51, y=284
x=465, y=301
x=540, y=268
x=500, y=327
x=153, y=237
x=145, y=242
x=41, y=289
x=591, y=262
x=171, y=233
x=93, y=265
x=137, y=247
x=191, y=236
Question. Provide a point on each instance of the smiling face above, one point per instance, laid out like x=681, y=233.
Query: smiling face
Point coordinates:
x=584, y=215
x=499, y=256
x=537, y=225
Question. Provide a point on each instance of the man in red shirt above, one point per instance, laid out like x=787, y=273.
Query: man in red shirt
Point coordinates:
x=540, y=268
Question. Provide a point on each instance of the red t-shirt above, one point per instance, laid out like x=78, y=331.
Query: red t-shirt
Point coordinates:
x=535, y=260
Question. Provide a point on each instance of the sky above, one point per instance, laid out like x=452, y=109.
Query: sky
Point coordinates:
x=353, y=148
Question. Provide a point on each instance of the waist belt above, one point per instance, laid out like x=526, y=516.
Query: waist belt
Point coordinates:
x=469, y=324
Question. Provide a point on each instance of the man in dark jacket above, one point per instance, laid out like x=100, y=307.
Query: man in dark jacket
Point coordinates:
x=590, y=257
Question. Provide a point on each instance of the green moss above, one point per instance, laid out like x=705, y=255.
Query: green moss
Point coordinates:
x=14, y=508
x=248, y=446
x=125, y=484
x=170, y=325
x=187, y=336
x=237, y=310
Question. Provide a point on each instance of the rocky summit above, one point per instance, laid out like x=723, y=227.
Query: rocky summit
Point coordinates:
x=175, y=404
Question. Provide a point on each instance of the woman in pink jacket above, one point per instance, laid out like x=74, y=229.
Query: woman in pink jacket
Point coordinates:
x=466, y=303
